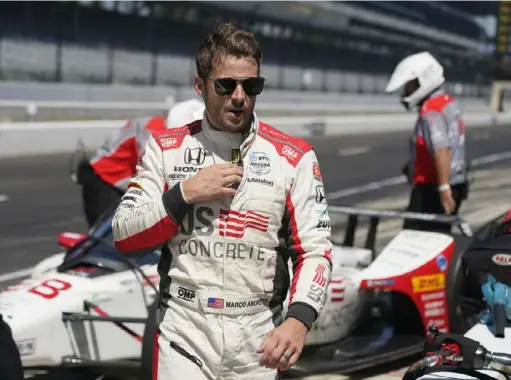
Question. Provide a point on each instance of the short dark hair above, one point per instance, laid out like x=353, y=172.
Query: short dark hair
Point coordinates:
x=226, y=39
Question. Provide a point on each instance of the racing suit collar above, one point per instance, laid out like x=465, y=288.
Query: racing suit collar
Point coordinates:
x=436, y=92
x=232, y=140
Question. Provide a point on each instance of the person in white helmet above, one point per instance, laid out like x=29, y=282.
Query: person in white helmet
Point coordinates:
x=185, y=112
x=105, y=176
x=437, y=167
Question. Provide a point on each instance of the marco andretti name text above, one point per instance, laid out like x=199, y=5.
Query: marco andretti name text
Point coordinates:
x=243, y=304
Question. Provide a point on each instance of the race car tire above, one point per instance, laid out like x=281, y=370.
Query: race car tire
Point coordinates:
x=455, y=284
x=146, y=370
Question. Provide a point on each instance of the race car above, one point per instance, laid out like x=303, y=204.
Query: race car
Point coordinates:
x=92, y=307
x=484, y=350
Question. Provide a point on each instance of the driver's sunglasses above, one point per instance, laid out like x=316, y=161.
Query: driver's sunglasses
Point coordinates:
x=251, y=86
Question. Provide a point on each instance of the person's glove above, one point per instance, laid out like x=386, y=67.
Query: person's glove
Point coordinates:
x=495, y=293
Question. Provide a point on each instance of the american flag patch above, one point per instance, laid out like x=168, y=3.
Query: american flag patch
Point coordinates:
x=217, y=303
x=234, y=223
x=319, y=277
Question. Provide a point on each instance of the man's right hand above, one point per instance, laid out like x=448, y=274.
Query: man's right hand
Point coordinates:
x=448, y=202
x=213, y=182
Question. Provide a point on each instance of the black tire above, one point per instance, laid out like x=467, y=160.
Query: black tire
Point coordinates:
x=146, y=370
x=455, y=286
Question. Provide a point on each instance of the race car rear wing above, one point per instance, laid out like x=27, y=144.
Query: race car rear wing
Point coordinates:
x=375, y=216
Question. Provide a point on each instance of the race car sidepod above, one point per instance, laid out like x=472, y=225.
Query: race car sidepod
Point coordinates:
x=417, y=264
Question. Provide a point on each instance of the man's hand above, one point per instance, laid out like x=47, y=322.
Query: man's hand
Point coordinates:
x=213, y=182
x=282, y=347
x=447, y=200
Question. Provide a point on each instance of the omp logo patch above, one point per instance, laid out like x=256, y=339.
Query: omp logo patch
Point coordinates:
x=169, y=142
x=185, y=294
x=428, y=283
x=289, y=152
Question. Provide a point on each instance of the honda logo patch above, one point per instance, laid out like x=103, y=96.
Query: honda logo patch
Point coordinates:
x=320, y=195
x=195, y=156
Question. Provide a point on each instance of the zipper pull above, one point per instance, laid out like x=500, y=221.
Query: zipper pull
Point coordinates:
x=236, y=159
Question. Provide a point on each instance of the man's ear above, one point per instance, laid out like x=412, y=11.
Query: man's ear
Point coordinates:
x=199, y=86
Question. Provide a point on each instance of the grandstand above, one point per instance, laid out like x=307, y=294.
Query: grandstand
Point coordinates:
x=348, y=47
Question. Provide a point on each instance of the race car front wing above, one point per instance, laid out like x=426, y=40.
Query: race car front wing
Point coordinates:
x=86, y=348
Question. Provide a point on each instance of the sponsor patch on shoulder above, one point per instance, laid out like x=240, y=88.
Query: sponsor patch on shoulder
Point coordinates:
x=317, y=172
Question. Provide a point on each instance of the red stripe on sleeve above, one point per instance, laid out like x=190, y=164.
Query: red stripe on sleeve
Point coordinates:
x=150, y=237
x=297, y=245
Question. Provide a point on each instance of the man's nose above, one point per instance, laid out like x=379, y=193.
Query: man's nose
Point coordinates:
x=238, y=96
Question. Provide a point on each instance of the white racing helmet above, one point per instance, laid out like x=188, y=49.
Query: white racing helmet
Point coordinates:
x=185, y=112
x=421, y=66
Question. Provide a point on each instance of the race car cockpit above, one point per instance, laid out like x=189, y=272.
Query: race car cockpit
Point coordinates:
x=94, y=254
x=487, y=274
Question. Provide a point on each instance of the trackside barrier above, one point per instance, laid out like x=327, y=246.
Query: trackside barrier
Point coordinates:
x=35, y=138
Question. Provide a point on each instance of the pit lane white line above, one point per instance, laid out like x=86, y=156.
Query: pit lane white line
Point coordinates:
x=481, y=136
x=393, y=181
x=353, y=151
x=3, y=198
x=15, y=275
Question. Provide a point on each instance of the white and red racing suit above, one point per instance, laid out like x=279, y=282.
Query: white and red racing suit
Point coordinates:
x=224, y=277
x=115, y=161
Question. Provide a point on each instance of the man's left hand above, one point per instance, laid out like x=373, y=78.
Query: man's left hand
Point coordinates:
x=282, y=347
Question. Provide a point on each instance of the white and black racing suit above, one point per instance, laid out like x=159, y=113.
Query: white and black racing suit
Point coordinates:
x=224, y=282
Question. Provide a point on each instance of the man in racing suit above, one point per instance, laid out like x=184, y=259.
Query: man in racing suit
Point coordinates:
x=105, y=176
x=220, y=193
x=437, y=166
